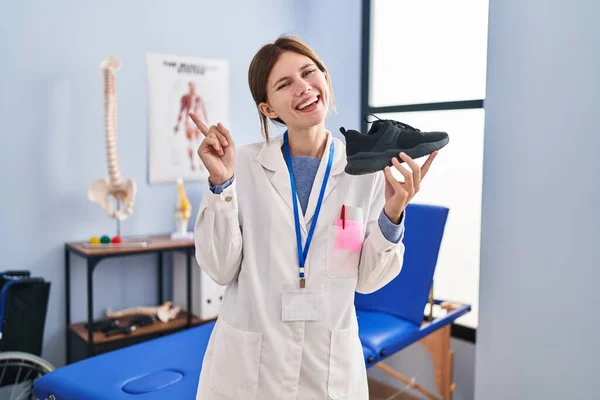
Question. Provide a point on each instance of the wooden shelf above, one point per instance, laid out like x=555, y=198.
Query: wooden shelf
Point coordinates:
x=155, y=243
x=79, y=346
x=158, y=327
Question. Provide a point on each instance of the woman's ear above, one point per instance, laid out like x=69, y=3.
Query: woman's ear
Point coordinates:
x=267, y=110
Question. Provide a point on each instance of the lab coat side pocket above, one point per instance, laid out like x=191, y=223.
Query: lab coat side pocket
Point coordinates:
x=341, y=382
x=235, y=363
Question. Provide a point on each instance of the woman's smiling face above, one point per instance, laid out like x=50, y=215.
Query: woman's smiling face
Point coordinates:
x=297, y=92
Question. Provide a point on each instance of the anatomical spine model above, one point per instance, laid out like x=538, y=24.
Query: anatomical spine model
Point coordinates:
x=113, y=186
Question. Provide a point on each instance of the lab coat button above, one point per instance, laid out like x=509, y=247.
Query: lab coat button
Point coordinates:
x=228, y=199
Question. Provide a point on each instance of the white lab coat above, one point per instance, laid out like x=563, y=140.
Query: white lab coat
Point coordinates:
x=245, y=239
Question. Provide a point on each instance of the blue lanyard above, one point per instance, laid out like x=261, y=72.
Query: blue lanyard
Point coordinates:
x=303, y=253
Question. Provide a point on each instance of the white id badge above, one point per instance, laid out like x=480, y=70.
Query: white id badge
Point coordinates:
x=302, y=304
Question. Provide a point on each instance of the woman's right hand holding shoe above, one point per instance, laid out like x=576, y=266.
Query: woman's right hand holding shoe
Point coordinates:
x=217, y=151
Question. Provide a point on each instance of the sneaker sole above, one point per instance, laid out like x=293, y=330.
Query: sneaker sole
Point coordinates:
x=368, y=163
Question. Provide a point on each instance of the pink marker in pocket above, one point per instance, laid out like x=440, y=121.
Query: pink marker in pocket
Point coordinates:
x=348, y=234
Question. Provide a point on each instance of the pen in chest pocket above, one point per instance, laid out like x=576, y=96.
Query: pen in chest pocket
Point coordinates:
x=343, y=216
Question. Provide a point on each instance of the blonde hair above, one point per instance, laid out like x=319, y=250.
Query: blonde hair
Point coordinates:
x=262, y=64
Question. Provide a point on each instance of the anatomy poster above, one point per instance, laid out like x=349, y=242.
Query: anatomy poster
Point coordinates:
x=177, y=86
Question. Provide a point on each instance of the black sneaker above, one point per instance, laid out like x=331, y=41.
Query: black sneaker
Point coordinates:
x=373, y=152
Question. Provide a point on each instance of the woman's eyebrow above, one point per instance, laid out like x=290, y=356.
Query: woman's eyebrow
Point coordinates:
x=287, y=77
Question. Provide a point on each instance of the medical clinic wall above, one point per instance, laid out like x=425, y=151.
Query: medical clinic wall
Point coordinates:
x=538, y=327
x=52, y=121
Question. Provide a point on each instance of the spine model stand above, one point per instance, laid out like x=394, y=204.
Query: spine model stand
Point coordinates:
x=102, y=190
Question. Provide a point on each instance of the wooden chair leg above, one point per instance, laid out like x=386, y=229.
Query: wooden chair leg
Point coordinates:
x=438, y=346
x=408, y=382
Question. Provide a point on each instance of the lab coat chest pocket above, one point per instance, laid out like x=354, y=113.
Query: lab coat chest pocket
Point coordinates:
x=344, y=244
x=234, y=367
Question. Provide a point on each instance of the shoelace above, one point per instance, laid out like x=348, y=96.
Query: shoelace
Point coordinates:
x=395, y=123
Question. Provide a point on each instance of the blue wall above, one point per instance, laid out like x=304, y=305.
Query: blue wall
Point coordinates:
x=51, y=124
x=337, y=38
x=538, y=327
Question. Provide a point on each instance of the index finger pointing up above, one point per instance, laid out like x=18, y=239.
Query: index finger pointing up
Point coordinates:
x=199, y=124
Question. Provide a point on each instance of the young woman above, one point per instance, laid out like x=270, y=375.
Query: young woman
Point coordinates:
x=293, y=236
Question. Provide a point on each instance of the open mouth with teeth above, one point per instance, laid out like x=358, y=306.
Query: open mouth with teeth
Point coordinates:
x=309, y=104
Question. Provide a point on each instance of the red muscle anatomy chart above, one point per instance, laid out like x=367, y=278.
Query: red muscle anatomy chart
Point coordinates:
x=177, y=86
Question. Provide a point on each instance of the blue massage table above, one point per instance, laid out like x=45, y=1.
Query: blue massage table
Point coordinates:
x=163, y=368
x=169, y=367
x=392, y=318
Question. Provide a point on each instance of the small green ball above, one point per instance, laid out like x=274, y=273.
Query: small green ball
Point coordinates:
x=105, y=239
